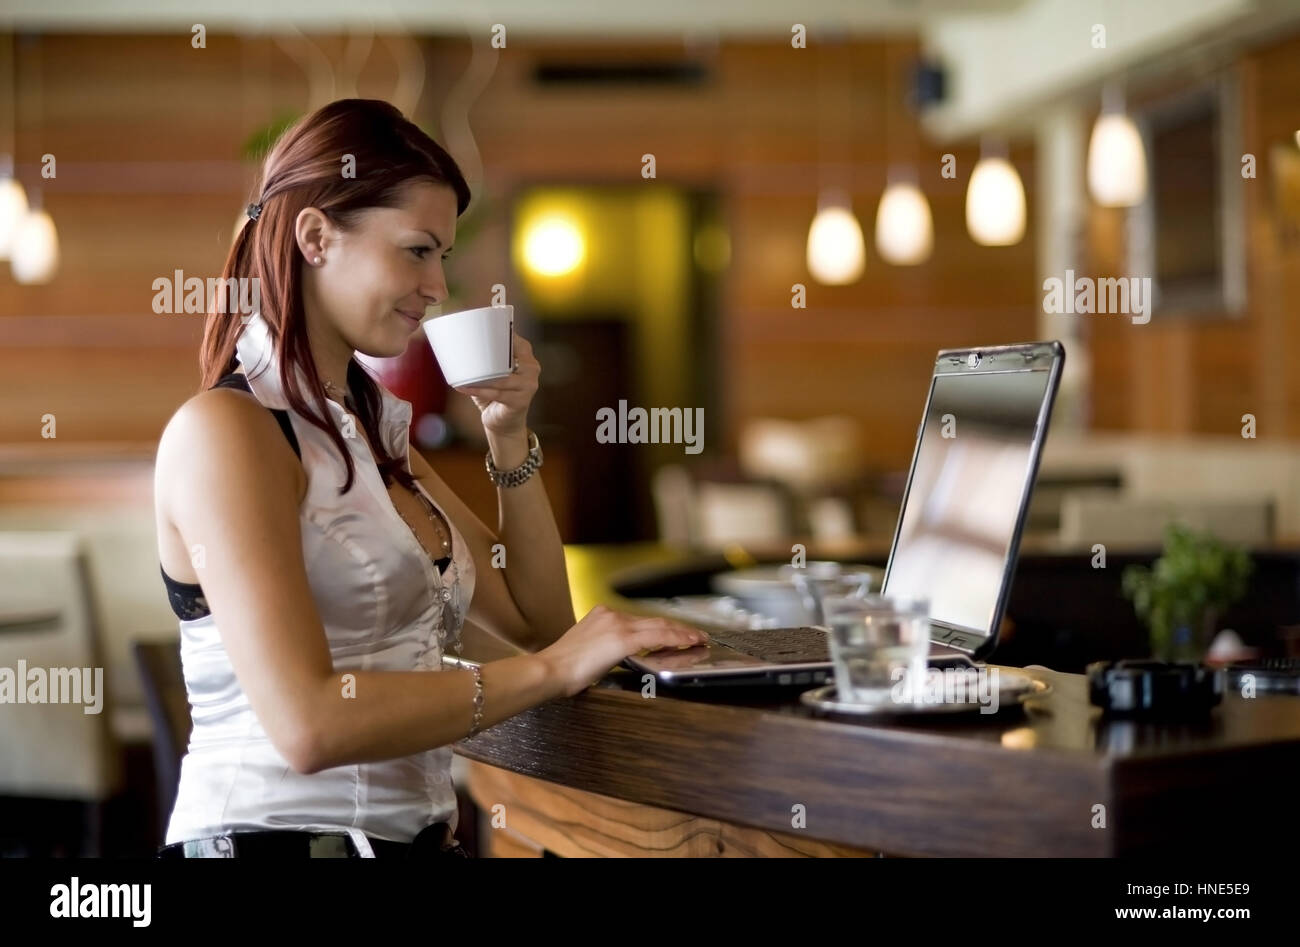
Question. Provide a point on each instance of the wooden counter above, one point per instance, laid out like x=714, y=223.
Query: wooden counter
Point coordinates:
x=612, y=772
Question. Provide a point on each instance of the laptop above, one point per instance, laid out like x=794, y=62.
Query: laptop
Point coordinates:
x=958, y=533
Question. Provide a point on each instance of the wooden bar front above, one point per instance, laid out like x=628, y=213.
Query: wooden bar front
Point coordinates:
x=709, y=773
x=612, y=772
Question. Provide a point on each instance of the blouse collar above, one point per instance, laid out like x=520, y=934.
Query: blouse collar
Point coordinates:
x=255, y=350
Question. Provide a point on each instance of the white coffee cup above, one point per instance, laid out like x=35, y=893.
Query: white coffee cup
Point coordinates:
x=475, y=345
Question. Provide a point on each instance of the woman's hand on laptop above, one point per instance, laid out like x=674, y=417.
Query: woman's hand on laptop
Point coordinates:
x=603, y=637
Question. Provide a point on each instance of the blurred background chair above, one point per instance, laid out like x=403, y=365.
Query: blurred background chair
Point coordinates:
x=790, y=478
x=126, y=592
x=53, y=751
x=1121, y=520
x=710, y=507
x=740, y=513
x=1192, y=473
x=821, y=461
x=807, y=456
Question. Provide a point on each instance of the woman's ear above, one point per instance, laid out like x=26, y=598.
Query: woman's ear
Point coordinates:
x=314, y=234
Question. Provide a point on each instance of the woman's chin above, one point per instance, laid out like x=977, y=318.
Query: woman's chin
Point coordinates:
x=392, y=347
x=390, y=339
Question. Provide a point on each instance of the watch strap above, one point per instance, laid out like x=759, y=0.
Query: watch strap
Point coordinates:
x=520, y=474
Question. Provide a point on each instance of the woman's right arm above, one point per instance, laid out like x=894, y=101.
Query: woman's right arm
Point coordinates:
x=232, y=490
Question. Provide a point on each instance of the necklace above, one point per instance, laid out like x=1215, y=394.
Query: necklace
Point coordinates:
x=443, y=529
x=445, y=591
x=448, y=594
x=444, y=534
x=435, y=519
x=343, y=396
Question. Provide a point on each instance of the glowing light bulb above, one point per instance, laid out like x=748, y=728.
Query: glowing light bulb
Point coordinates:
x=995, y=204
x=836, y=252
x=554, y=246
x=1117, y=162
x=34, y=253
x=904, y=228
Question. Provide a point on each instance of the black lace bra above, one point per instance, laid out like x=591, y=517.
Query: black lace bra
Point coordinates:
x=186, y=598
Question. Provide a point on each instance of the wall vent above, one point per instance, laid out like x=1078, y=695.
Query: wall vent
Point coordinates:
x=603, y=75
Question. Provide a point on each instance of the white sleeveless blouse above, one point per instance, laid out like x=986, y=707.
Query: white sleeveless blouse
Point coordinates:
x=380, y=598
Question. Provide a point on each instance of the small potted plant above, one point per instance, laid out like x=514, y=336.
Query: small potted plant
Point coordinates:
x=1181, y=596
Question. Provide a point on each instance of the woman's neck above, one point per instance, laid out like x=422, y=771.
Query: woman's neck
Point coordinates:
x=331, y=354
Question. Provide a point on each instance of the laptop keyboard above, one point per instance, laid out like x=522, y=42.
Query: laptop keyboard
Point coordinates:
x=784, y=645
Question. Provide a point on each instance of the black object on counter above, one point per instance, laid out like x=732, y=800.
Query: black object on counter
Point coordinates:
x=1266, y=675
x=1154, y=689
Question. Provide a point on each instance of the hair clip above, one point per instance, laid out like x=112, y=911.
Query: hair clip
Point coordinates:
x=253, y=211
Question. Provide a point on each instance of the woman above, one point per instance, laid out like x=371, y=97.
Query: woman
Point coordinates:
x=317, y=565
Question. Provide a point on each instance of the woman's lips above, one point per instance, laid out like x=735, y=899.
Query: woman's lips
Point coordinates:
x=415, y=320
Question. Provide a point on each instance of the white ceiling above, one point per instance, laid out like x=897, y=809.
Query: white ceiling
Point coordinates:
x=673, y=18
x=1004, y=69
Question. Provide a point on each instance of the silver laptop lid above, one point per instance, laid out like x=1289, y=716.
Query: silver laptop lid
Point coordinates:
x=972, y=474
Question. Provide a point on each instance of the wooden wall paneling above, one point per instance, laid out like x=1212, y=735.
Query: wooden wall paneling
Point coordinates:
x=1199, y=376
x=751, y=130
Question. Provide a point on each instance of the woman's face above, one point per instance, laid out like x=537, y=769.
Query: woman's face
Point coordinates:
x=376, y=279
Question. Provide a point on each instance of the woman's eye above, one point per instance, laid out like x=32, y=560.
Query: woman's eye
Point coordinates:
x=421, y=251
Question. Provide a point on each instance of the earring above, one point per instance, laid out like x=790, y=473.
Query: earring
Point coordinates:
x=316, y=260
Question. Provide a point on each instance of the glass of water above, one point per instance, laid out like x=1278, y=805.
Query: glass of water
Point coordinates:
x=872, y=637
x=820, y=580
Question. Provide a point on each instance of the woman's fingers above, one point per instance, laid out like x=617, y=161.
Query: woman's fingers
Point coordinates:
x=655, y=633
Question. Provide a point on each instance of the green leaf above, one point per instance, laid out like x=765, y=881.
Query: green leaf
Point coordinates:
x=1196, y=575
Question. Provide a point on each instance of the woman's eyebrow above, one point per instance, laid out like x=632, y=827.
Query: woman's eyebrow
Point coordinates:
x=436, y=241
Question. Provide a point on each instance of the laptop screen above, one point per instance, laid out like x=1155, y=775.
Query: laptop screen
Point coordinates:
x=969, y=483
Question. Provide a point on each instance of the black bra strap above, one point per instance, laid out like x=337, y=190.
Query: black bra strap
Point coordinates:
x=240, y=380
x=175, y=585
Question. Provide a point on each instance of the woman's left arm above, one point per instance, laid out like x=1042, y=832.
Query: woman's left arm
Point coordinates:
x=521, y=589
x=529, y=570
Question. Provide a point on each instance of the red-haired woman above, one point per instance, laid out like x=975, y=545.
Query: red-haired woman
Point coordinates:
x=317, y=565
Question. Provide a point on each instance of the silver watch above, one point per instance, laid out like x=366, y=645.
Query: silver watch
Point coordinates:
x=513, y=478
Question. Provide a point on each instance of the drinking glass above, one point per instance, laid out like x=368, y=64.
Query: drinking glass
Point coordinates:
x=871, y=637
x=820, y=580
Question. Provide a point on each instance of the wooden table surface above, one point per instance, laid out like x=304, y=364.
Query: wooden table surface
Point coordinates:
x=1053, y=778
x=1023, y=783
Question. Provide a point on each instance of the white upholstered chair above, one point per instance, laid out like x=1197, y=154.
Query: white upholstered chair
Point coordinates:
x=53, y=750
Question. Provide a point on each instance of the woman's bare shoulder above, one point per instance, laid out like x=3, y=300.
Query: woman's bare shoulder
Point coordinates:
x=229, y=428
x=219, y=416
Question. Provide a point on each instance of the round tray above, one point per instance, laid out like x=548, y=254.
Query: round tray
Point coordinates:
x=1014, y=688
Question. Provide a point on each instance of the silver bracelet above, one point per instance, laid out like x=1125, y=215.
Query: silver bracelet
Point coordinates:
x=461, y=664
x=478, y=698
x=513, y=478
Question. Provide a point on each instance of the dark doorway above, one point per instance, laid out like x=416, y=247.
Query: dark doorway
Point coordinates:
x=620, y=289
x=588, y=366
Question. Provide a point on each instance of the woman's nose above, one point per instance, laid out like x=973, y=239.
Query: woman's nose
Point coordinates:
x=434, y=292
